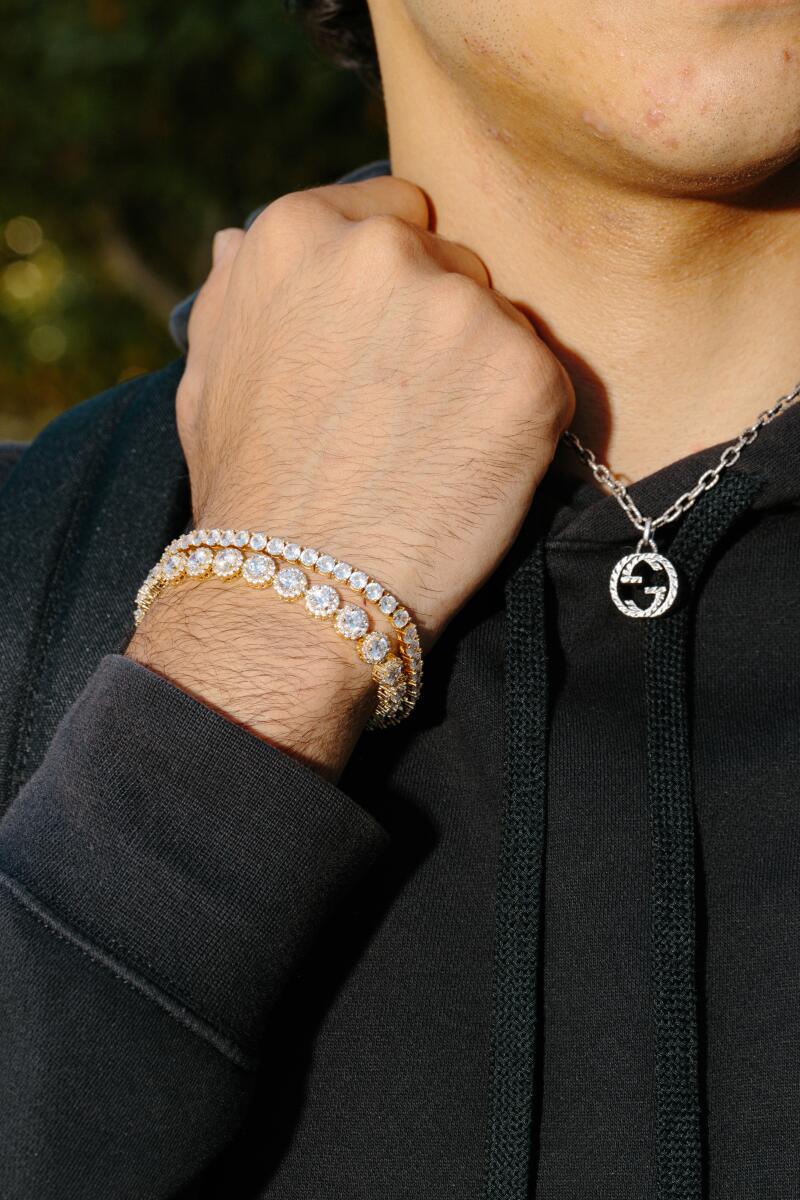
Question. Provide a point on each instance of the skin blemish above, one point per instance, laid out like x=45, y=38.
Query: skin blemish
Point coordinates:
x=704, y=107
x=475, y=44
x=687, y=74
x=672, y=142
x=654, y=117
x=597, y=125
x=499, y=135
x=788, y=56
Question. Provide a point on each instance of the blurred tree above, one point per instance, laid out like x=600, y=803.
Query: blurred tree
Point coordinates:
x=129, y=131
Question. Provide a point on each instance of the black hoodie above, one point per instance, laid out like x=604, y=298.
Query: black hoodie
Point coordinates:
x=543, y=938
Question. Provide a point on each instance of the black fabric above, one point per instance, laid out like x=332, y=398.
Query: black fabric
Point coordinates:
x=672, y=906
x=223, y=976
x=519, y=884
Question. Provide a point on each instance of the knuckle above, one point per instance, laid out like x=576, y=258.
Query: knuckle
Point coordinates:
x=385, y=239
x=287, y=217
x=458, y=296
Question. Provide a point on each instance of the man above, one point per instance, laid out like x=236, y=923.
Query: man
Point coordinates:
x=541, y=936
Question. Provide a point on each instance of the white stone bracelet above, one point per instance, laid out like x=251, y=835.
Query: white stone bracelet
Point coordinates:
x=232, y=554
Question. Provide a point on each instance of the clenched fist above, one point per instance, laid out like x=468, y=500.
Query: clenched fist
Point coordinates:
x=354, y=382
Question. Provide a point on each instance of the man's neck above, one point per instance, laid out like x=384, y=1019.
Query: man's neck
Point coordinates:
x=677, y=317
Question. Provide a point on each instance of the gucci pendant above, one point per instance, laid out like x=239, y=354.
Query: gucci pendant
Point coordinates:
x=662, y=591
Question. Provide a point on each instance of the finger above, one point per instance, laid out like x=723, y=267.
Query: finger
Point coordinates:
x=386, y=195
x=452, y=256
x=207, y=307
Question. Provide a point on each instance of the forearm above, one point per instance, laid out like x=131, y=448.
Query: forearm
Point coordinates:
x=264, y=664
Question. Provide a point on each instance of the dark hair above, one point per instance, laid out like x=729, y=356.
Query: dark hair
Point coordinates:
x=344, y=31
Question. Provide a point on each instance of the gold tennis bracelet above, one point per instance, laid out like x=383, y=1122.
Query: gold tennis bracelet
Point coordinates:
x=395, y=659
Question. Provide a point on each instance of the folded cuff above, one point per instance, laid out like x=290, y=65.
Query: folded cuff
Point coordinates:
x=200, y=856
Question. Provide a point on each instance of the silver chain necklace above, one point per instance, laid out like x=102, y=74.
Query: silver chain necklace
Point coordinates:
x=663, y=594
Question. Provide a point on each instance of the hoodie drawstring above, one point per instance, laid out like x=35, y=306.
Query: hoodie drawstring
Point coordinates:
x=519, y=884
x=673, y=966
x=516, y=1002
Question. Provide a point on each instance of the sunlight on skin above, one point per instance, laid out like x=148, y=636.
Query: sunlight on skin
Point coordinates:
x=629, y=174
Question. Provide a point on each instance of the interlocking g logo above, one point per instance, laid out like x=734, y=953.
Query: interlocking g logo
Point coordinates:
x=663, y=594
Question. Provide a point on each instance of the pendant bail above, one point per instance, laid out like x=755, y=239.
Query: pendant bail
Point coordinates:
x=646, y=543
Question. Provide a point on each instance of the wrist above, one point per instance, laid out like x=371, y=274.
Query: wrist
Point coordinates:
x=263, y=665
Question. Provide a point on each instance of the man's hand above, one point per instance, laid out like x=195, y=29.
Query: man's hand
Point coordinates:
x=353, y=382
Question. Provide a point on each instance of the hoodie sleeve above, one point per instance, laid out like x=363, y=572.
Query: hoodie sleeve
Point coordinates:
x=161, y=876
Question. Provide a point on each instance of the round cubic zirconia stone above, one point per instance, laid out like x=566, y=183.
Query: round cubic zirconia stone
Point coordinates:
x=387, y=604
x=258, y=570
x=276, y=545
x=214, y=537
x=174, y=567
x=258, y=541
x=202, y=537
x=322, y=600
x=227, y=562
x=227, y=536
x=183, y=541
x=352, y=622
x=194, y=538
x=359, y=580
x=401, y=617
x=308, y=557
x=390, y=671
x=374, y=648
x=342, y=571
x=373, y=591
x=291, y=551
x=241, y=537
x=325, y=564
x=290, y=582
x=199, y=561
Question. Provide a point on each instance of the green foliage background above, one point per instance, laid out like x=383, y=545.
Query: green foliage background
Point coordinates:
x=129, y=131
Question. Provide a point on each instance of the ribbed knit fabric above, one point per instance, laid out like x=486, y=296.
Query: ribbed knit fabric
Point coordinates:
x=519, y=886
x=672, y=822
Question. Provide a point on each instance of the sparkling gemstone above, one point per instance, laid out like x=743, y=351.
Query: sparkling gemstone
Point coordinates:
x=322, y=600
x=276, y=545
x=401, y=617
x=359, y=580
x=258, y=569
x=241, y=537
x=342, y=571
x=290, y=582
x=202, y=537
x=374, y=647
x=308, y=557
x=258, y=541
x=387, y=604
x=373, y=591
x=291, y=551
x=183, y=541
x=390, y=671
x=194, y=538
x=199, y=561
x=154, y=573
x=227, y=562
x=410, y=635
x=227, y=537
x=214, y=537
x=352, y=622
x=325, y=564
x=174, y=566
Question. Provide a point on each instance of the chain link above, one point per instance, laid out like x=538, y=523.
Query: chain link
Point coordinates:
x=709, y=479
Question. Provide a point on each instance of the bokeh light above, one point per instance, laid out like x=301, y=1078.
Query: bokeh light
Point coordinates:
x=23, y=235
